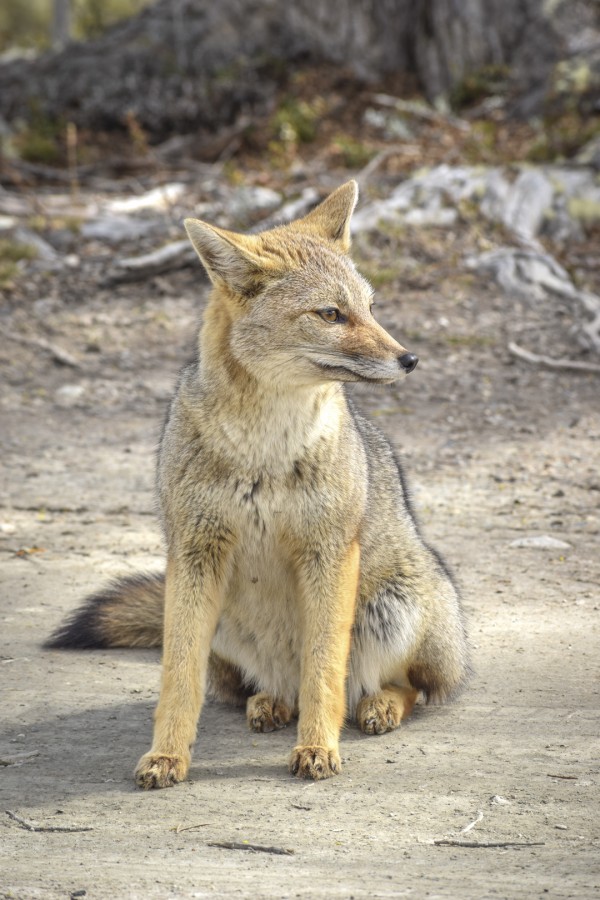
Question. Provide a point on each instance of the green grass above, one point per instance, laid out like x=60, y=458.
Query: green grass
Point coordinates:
x=28, y=23
x=11, y=254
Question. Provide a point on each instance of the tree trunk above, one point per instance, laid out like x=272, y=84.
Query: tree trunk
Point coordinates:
x=61, y=23
x=183, y=64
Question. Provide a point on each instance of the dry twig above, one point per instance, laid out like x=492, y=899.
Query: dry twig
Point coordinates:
x=29, y=826
x=175, y=255
x=179, y=828
x=488, y=844
x=548, y=363
x=379, y=158
x=57, y=353
x=257, y=848
x=421, y=111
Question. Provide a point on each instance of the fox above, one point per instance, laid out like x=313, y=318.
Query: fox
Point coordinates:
x=297, y=580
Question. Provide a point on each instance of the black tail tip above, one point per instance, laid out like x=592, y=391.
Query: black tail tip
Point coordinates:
x=81, y=631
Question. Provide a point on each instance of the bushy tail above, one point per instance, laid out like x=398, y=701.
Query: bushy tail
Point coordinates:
x=127, y=613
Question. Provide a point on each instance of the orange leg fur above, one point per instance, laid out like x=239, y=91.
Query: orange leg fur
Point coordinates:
x=329, y=604
x=385, y=710
x=192, y=606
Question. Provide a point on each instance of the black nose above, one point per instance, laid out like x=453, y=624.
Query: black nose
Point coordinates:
x=408, y=361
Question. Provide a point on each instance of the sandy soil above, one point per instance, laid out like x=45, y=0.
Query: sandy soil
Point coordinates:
x=496, y=450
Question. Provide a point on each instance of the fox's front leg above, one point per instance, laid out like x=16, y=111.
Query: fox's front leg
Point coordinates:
x=328, y=589
x=193, y=600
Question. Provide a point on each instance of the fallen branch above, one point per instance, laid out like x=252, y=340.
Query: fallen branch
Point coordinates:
x=257, y=848
x=29, y=826
x=488, y=844
x=57, y=353
x=379, y=158
x=175, y=255
x=420, y=111
x=570, y=365
x=110, y=165
x=179, y=828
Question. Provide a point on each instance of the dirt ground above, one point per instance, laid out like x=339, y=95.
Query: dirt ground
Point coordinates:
x=493, y=796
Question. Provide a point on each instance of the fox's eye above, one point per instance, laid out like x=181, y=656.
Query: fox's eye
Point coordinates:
x=331, y=315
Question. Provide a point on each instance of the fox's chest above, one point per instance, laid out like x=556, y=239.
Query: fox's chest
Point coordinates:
x=260, y=626
x=262, y=576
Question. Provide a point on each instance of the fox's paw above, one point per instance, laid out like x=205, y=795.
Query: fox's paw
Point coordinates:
x=315, y=762
x=265, y=713
x=378, y=714
x=160, y=770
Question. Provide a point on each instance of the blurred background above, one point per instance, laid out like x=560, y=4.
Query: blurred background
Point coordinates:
x=274, y=83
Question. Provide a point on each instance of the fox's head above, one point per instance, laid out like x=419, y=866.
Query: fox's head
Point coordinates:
x=291, y=304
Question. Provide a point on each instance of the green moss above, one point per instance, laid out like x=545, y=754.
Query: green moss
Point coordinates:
x=14, y=251
x=44, y=223
x=11, y=254
x=481, y=142
x=39, y=141
x=572, y=76
x=476, y=86
x=354, y=153
x=584, y=209
x=24, y=25
x=379, y=276
x=38, y=148
x=296, y=120
x=467, y=340
x=92, y=17
x=563, y=136
x=27, y=23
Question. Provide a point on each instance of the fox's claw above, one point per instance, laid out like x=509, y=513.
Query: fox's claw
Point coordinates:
x=159, y=770
x=315, y=762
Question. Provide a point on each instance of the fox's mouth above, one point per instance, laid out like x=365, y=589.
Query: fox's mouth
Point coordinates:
x=340, y=372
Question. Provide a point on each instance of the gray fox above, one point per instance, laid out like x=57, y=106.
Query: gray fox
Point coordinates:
x=296, y=579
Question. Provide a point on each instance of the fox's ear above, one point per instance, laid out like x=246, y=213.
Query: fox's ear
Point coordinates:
x=227, y=257
x=331, y=218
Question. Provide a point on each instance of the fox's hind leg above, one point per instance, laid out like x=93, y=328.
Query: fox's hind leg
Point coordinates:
x=408, y=639
x=384, y=710
x=439, y=663
x=266, y=713
x=226, y=682
x=263, y=711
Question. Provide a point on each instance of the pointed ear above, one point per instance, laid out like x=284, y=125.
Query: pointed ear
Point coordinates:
x=227, y=257
x=331, y=218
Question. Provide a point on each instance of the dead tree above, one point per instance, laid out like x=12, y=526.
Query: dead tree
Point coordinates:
x=183, y=64
x=61, y=23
